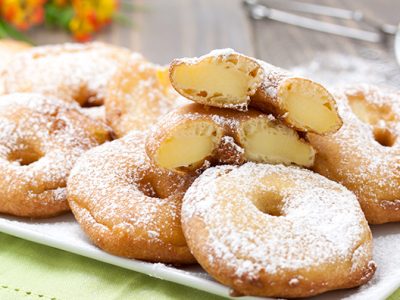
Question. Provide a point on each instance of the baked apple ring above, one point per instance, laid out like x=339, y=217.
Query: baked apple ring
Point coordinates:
x=277, y=231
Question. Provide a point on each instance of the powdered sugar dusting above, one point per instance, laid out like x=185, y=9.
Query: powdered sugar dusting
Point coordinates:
x=334, y=69
x=228, y=141
x=273, y=76
x=96, y=112
x=223, y=53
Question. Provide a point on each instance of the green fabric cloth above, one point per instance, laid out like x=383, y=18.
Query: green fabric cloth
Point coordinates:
x=395, y=296
x=31, y=271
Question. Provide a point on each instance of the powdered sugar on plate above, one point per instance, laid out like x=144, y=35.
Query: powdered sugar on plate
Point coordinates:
x=332, y=69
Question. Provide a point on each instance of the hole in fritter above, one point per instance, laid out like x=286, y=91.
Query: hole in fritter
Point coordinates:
x=24, y=155
x=87, y=98
x=147, y=189
x=369, y=113
x=144, y=182
x=269, y=202
x=91, y=103
x=384, y=137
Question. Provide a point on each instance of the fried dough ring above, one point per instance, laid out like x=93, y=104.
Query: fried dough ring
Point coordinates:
x=126, y=206
x=364, y=155
x=271, y=230
x=72, y=72
x=194, y=136
x=139, y=93
x=41, y=137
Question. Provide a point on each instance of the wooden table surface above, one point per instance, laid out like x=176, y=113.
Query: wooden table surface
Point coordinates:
x=164, y=30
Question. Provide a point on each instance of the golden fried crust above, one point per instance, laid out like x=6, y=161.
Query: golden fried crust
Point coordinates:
x=138, y=94
x=277, y=231
x=192, y=137
x=225, y=78
x=78, y=72
x=41, y=137
x=364, y=154
x=128, y=207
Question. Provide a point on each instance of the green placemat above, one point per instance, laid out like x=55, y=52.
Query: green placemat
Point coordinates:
x=32, y=271
x=395, y=296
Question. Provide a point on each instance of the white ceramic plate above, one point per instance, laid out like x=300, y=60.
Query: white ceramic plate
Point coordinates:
x=64, y=233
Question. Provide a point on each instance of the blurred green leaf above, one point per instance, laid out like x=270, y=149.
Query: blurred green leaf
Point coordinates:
x=9, y=31
x=57, y=16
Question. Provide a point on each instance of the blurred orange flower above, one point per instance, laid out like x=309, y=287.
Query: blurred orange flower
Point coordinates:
x=22, y=13
x=82, y=18
x=91, y=16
